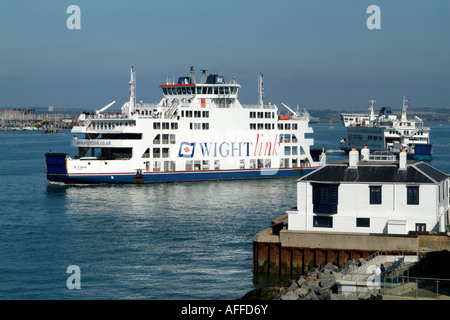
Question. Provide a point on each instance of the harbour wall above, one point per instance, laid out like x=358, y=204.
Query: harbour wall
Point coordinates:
x=277, y=250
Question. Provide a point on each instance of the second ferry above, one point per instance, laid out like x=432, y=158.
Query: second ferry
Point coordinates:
x=386, y=132
x=198, y=131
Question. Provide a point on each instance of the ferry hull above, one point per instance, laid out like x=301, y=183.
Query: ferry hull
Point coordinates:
x=423, y=152
x=187, y=176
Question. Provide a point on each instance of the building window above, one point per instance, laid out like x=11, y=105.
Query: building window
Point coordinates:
x=322, y=222
x=412, y=195
x=363, y=222
x=375, y=194
x=325, y=198
x=421, y=227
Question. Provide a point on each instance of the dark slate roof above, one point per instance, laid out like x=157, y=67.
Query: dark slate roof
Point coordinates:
x=377, y=172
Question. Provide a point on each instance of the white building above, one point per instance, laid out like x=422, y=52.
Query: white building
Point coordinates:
x=372, y=194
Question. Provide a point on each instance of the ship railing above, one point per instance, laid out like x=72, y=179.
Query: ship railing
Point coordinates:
x=256, y=106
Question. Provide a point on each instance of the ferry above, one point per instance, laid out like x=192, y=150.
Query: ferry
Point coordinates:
x=197, y=131
x=386, y=132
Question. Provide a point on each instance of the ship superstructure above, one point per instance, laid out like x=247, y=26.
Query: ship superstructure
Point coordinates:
x=387, y=132
x=197, y=131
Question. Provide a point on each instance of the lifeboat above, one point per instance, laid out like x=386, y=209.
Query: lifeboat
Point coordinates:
x=285, y=117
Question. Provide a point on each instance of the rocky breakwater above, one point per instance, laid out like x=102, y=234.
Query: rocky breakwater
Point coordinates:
x=315, y=285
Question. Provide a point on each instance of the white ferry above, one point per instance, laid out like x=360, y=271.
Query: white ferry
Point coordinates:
x=386, y=132
x=198, y=131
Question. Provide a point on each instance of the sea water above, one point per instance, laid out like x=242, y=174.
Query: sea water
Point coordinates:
x=160, y=241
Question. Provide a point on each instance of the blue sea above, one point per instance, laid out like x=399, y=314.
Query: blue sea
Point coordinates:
x=157, y=242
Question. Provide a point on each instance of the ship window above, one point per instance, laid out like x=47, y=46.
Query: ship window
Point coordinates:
x=205, y=164
x=165, y=125
x=157, y=166
x=216, y=90
x=260, y=163
x=221, y=90
x=205, y=126
x=157, y=139
x=216, y=164
x=252, y=163
x=242, y=164
x=375, y=194
x=178, y=90
x=165, y=139
x=199, y=90
x=252, y=126
x=260, y=115
x=210, y=90
x=156, y=152
x=146, y=153
x=322, y=222
x=260, y=126
x=204, y=90
x=165, y=90
x=363, y=222
x=172, y=139
x=233, y=90
x=189, y=165
x=156, y=125
x=205, y=114
x=412, y=195
x=227, y=90
x=197, y=165
x=197, y=114
x=280, y=126
x=267, y=126
x=165, y=152
x=169, y=165
x=287, y=151
x=294, y=150
x=252, y=115
x=189, y=114
x=288, y=126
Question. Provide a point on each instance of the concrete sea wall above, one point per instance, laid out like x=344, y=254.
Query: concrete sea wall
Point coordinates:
x=277, y=250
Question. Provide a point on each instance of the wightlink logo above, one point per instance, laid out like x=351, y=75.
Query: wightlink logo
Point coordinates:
x=261, y=148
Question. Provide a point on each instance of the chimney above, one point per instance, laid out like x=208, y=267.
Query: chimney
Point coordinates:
x=365, y=153
x=402, y=160
x=353, y=157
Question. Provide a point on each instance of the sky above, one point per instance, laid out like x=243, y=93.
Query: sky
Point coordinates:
x=318, y=54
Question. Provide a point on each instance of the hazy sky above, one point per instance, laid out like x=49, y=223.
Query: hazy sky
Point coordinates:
x=318, y=54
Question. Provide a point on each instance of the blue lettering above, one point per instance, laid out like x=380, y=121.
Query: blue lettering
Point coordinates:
x=221, y=151
x=205, y=150
x=233, y=148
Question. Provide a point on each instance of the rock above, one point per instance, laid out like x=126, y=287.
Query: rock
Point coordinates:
x=338, y=296
x=290, y=295
x=301, y=292
x=310, y=296
x=294, y=286
x=300, y=281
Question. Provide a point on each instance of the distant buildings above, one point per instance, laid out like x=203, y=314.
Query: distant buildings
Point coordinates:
x=365, y=195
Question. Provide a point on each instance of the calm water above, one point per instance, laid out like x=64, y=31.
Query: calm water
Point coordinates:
x=162, y=241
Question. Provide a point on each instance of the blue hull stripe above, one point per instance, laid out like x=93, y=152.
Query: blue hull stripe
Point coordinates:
x=181, y=176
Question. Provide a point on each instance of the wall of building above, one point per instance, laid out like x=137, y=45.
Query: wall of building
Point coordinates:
x=354, y=202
